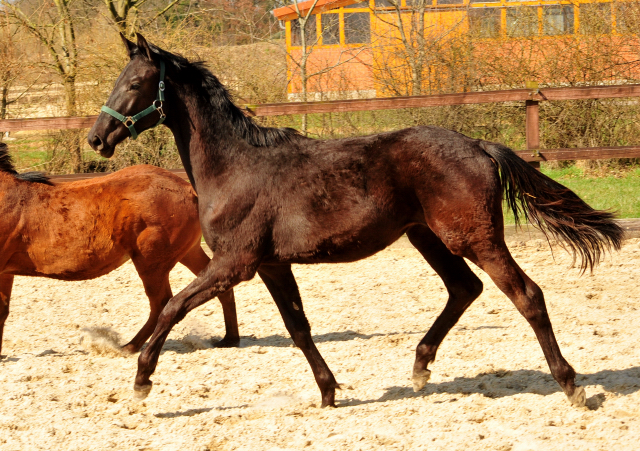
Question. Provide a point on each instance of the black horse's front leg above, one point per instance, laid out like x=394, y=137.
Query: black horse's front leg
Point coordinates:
x=221, y=274
x=284, y=290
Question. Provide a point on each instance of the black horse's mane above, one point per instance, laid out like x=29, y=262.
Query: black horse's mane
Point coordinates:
x=6, y=165
x=196, y=74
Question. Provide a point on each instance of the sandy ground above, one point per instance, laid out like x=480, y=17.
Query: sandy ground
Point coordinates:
x=490, y=388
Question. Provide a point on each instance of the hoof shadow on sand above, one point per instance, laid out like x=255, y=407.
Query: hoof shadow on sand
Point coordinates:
x=504, y=383
x=192, y=412
x=283, y=341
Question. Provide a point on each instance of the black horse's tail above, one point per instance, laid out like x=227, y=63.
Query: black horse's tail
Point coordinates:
x=554, y=208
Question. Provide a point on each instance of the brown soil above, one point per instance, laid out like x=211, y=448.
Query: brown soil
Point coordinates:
x=490, y=388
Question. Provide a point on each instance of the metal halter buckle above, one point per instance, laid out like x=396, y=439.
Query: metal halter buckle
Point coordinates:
x=128, y=122
x=161, y=85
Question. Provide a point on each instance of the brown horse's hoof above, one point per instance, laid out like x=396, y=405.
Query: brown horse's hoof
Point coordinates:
x=227, y=342
x=579, y=397
x=420, y=379
x=140, y=392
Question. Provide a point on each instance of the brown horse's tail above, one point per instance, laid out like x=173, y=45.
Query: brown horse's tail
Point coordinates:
x=554, y=208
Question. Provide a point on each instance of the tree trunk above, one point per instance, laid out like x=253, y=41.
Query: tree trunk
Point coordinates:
x=75, y=147
x=303, y=66
x=3, y=103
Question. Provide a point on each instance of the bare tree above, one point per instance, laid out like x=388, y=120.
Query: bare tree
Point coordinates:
x=12, y=65
x=409, y=47
x=126, y=14
x=53, y=25
x=303, y=31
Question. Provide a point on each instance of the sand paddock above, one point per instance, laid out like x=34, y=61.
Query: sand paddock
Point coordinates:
x=63, y=387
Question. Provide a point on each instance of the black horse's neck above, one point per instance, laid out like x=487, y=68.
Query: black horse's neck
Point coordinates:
x=206, y=124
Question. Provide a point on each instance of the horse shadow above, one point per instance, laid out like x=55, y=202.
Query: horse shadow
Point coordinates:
x=180, y=346
x=193, y=412
x=282, y=341
x=502, y=383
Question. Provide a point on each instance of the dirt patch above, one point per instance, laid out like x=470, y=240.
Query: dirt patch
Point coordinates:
x=490, y=387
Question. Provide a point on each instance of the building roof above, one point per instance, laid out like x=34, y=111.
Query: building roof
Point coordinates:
x=289, y=12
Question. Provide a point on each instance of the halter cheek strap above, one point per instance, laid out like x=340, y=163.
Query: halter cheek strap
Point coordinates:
x=130, y=121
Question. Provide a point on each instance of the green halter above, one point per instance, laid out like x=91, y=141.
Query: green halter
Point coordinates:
x=129, y=121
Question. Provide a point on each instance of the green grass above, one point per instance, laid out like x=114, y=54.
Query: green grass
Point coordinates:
x=26, y=160
x=620, y=194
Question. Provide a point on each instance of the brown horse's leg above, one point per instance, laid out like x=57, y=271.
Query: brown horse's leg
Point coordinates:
x=462, y=285
x=6, y=284
x=284, y=290
x=221, y=274
x=159, y=292
x=196, y=260
x=529, y=300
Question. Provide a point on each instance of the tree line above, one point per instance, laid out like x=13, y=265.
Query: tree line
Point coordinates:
x=61, y=57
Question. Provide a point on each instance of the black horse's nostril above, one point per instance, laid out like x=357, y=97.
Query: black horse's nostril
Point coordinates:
x=96, y=143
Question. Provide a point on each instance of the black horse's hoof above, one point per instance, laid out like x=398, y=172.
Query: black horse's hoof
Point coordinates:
x=227, y=342
x=140, y=392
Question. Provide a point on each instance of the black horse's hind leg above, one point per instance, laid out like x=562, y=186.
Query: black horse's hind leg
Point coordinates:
x=462, y=285
x=6, y=285
x=529, y=300
x=232, y=335
x=284, y=290
x=221, y=274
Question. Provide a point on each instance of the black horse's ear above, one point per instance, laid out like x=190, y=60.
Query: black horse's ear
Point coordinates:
x=131, y=47
x=143, y=45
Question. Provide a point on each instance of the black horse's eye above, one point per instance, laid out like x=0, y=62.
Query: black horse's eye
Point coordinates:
x=135, y=86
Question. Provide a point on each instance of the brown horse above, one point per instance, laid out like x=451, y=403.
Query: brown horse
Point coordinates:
x=85, y=229
x=270, y=197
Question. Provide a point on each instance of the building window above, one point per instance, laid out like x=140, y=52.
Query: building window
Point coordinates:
x=557, y=20
x=450, y=2
x=357, y=29
x=627, y=17
x=522, y=21
x=595, y=18
x=384, y=3
x=310, y=35
x=485, y=22
x=358, y=5
x=330, y=25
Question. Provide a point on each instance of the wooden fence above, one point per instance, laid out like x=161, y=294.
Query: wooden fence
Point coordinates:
x=531, y=96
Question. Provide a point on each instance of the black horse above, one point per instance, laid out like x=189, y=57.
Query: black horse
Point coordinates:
x=271, y=197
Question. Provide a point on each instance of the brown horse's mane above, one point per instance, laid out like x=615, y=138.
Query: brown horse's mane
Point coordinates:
x=220, y=103
x=6, y=165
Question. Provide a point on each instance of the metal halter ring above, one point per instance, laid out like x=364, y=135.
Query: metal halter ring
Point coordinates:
x=128, y=122
x=161, y=86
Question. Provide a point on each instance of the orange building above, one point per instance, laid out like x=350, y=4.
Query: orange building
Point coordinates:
x=354, y=48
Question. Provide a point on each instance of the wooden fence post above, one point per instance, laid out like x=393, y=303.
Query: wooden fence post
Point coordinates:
x=533, y=129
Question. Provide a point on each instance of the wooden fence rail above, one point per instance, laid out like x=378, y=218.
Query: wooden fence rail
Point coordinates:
x=531, y=97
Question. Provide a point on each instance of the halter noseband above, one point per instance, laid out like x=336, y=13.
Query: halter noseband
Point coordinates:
x=130, y=121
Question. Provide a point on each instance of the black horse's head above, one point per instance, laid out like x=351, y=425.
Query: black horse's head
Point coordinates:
x=136, y=90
